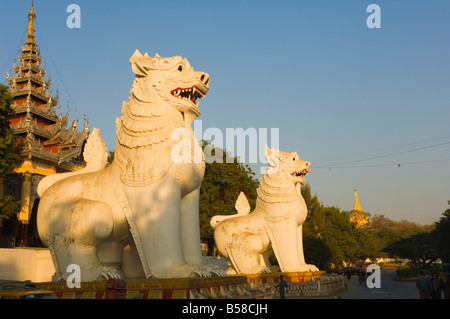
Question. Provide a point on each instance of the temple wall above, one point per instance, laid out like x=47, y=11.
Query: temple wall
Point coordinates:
x=21, y=264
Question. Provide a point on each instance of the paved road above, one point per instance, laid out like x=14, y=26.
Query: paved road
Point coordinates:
x=390, y=289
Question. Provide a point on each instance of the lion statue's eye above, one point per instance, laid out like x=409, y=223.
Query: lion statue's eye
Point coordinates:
x=180, y=68
x=293, y=159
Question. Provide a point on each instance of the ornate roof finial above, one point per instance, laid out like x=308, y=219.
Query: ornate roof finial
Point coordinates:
x=31, y=17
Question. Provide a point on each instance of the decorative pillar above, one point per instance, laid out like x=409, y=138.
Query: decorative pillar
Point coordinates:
x=24, y=214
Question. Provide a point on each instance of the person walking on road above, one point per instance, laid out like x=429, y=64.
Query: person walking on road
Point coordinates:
x=424, y=285
x=282, y=285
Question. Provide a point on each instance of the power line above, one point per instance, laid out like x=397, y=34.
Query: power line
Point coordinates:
x=15, y=50
x=57, y=72
x=385, y=149
x=385, y=165
x=382, y=156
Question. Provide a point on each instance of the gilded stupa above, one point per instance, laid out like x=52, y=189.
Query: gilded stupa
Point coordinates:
x=357, y=215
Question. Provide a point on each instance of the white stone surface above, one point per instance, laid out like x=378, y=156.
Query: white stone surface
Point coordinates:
x=22, y=264
x=275, y=226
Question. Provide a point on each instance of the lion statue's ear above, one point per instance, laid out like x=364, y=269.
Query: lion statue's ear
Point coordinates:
x=272, y=156
x=137, y=62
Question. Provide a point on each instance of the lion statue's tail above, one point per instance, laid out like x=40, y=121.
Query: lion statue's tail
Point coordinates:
x=94, y=154
x=242, y=207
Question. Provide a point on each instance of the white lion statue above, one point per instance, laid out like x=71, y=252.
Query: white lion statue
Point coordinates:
x=138, y=217
x=275, y=226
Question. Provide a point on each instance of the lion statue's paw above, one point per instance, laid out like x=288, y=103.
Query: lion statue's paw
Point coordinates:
x=312, y=267
x=201, y=271
x=265, y=270
x=208, y=270
x=215, y=270
x=58, y=277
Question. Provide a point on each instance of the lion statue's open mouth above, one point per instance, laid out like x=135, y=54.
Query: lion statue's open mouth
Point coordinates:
x=300, y=174
x=190, y=94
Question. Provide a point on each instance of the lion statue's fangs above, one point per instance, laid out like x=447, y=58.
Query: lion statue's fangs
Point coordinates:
x=138, y=217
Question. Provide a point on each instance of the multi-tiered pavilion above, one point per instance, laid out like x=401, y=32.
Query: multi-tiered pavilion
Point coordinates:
x=46, y=143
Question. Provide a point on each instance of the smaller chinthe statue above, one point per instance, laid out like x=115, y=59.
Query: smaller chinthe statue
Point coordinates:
x=248, y=239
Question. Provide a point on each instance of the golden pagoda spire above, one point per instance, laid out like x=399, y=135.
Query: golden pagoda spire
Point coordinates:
x=31, y=17
x=357, y=216
x=357, y=207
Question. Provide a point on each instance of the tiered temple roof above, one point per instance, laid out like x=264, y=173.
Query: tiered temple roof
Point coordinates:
x=41, y=133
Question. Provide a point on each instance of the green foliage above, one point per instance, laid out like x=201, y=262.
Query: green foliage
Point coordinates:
x=442, y=235
x=110, y=158
x=316, y=218
x=9, y=156
x=421, y=244
x=419, y=248
x=414, y=272
x=221, y=187
x=8, y=207
x=345, y=242
x=317, y=252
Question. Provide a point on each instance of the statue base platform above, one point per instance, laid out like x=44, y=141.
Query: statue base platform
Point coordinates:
x=235, y=287
x=308, y=284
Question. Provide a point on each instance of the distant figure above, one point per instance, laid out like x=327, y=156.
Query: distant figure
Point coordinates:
x=437, y=285
x=282, y=285
x=447, y=287
x=349, y=275
x=424, y=285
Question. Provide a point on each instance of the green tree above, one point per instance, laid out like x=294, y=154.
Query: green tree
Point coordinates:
x=419, y=248
x=347, y=242
x=221, y=187
x=9, y=156
x=317, y=252
x=385, y=231
x=110, y=158
x=442, y=235
x=315, y=221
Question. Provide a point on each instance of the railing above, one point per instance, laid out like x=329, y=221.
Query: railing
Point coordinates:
x=319, y=287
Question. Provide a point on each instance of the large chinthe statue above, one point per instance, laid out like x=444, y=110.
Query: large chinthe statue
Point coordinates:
x=138, y=217
x=248, y=240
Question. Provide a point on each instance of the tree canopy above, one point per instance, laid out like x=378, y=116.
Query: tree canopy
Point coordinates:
x=442, y=236
x=9, y=157
x=221, y=186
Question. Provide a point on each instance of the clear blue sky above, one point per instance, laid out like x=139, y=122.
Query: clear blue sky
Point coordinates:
x=338, y=91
